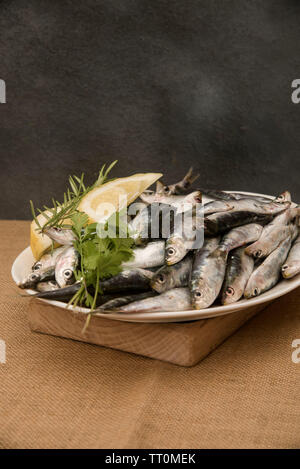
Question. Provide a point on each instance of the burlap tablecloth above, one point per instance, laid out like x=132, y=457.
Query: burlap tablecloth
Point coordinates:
x=57, y=393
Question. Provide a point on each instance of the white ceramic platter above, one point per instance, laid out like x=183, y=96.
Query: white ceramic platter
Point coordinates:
x=23, y=263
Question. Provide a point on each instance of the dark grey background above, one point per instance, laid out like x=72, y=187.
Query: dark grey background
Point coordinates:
x=159, y=85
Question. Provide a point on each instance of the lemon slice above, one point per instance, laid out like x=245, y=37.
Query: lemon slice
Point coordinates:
x=39, y=243
x=111, y=197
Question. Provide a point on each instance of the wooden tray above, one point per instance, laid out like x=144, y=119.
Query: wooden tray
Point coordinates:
x=180, y=343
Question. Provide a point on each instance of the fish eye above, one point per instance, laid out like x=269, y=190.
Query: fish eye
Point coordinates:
x=166, y=188
x=229, y=291
x=256, y=291
x=171, y=251
x=68, y=274
x=37, y=266
x=284, y=267
x=34, y=277
x=258, y=253
x=160, y=278
x=198, y=294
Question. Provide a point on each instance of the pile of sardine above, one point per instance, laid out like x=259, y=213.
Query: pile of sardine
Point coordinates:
x=249, y=243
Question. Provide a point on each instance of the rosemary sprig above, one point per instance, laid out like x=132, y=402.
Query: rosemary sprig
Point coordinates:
x=62, y=211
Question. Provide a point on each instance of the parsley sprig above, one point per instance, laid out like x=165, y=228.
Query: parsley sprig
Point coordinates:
x=100, y=257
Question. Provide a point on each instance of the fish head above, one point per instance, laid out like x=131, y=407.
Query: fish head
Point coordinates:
x=161, y=281
x=60, y=235
x=201, y=295
x=231, y=295
x=65, y=267
x=30, y=281
x=149, y=197
x=255, y=286
x=37, y=266
x=284, y=197
x=290, y=269
x=175, y=250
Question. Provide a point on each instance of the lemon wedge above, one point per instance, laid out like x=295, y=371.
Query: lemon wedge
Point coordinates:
x=39, y=243
x=112, y=196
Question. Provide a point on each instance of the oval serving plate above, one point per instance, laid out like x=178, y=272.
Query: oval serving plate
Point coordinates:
x=23, y=263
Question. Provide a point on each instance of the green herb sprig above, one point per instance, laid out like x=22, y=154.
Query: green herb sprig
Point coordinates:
x=62, y=211
x=100, y=257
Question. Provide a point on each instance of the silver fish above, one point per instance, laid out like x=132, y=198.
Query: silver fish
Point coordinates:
x=62, y=236
x=168, y=277
x=273, y=234
x=47, y=260
x=207, y=275
x=291, y=266
x=267, y=274
x=152, y=255
x=217, y=206
x=239, y=268
x=244, y=211
x=152, y=222
x=115, y=303
x=51, y=285
x=65, y=267
x=134, y=279
x=180, y=202
x=177, y=299
x=65, y=294
x=240, y=236
x=186, y=234
x=35, y=277
x=229, y=196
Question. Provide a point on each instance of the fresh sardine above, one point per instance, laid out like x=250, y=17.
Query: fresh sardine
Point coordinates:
x=291, y=266
x=152, y=255
x=239, y=268
x=62, y=236
x=273, y=234
x=35, y=277
x=115, y=303
x=240, y=236
x=180, y=202
x=244, y=211
x=217, y=206
x=267, y=274
x=177, y=299
x=229, y=196
x=47, y=260
x=207, y=274
x=153, y=221
x=135, y=279
x=168, y=277
x=65, y=267
x=187, y=234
